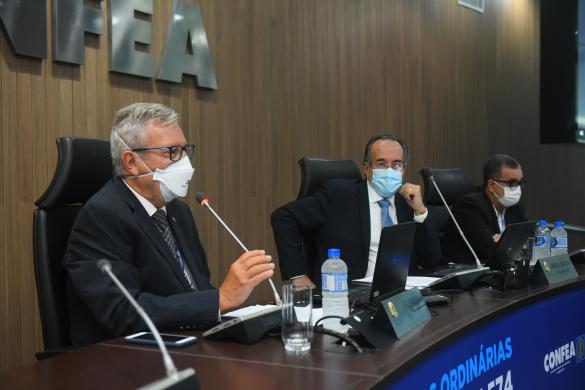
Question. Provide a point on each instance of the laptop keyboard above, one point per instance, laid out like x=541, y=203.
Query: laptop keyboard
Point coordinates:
x=360, y=293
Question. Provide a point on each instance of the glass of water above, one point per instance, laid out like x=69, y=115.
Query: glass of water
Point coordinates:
x=297, y=311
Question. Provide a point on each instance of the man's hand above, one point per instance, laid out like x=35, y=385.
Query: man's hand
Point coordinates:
x=245, y=273
x=496, y=237
x=413, y=196
x=303, y=281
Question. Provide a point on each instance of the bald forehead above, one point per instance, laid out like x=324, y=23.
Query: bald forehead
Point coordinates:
x=388, y=150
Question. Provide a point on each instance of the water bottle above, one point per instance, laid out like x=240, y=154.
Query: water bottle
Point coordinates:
x=334, y=289
x=541, y=247
x=559, y=243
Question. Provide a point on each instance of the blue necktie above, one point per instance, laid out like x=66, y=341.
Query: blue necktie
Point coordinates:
x=386, y=219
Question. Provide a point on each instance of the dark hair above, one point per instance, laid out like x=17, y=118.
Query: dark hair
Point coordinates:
x=493, y=166
x=383, y=137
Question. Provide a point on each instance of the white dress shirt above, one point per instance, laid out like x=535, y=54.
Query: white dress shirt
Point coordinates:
x=501, y=217
x=149, y=207
x=376, y=225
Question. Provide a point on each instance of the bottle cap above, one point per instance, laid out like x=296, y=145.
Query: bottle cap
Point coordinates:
x=333, y=252
x=542, y=222
x=559, y=224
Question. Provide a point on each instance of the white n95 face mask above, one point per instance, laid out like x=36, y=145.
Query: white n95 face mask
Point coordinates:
x=174, y=179
x=510, y=197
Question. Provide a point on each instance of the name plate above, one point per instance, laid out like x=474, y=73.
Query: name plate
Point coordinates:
x=554, y=269
x=402, y=313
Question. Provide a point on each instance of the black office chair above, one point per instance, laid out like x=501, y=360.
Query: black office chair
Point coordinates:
x=453, y=183
x=84, y=166
x=314, y=173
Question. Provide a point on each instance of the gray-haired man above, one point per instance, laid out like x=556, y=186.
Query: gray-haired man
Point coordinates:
x=150, y=237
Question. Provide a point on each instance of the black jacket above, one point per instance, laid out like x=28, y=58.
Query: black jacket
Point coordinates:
x=477, y=218
x=114, y=225
x=338, y=216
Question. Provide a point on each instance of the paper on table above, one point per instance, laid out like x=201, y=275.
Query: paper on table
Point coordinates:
x=366, y=280
x=419, y=281
x=411, y=281
x=317, y=313
x=244, y=311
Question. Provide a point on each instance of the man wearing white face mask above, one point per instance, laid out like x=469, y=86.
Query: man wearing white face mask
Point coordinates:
x=150, y=238
x=350, y=215
x=483, y=216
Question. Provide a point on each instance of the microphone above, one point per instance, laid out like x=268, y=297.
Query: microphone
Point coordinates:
x=461, y=279
x=479, y=265
x=204, y=202
x=175, y=379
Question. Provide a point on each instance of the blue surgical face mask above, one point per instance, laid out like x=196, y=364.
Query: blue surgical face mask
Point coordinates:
x=386, y=181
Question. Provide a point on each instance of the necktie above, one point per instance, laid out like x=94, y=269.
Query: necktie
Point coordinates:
x=386, y=219
x=161, y=222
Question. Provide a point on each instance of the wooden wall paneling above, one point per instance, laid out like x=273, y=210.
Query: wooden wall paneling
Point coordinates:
x=65, y=99
x=23, y=222
x=42, y=172
x=12, y=338
x=90, y=83
x=296, y=78
x=4, y=285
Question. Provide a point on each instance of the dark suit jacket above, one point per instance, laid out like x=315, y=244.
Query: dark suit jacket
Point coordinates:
x=477, y=218
x=114, y=225
x=338, y=216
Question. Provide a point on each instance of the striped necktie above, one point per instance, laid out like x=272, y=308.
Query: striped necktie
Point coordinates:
x=161, y=222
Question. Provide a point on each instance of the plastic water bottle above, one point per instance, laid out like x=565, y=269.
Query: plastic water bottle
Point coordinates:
x=559, y=244
x=334, y=288
x=541, y=247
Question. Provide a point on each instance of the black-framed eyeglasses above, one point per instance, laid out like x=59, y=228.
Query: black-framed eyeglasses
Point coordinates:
x=175, y=151
x=397, y=165
x=512, y=184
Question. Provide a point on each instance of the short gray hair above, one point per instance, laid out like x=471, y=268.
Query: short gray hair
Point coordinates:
x=129, y=128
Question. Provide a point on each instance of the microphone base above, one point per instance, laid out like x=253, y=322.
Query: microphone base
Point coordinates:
x=186, y=379
x=462, y=280
x=247, y=329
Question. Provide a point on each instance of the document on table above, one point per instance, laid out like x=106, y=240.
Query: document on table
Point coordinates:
x=248, y=310
x=411, y=281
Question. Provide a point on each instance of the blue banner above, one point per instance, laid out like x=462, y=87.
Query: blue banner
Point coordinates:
x=539, y=346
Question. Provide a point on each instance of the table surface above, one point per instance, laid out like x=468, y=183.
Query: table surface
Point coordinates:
x=226, y=364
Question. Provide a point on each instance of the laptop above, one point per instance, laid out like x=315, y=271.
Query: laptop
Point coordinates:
x=511, y=244
x=508, y=249
x=392, y=265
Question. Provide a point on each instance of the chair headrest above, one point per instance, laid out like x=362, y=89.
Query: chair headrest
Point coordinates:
x=83, y=167
x=453, y=183
x=317, y=171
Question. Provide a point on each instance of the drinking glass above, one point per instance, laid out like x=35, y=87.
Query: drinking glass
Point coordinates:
x=297, y=310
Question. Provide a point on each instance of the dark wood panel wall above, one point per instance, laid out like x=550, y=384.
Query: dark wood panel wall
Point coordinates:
x=296, y=78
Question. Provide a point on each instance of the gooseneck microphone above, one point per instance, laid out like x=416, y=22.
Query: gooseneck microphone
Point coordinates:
x=456, y=223
x=461, y=280
x=175, y=379
x=204, y=202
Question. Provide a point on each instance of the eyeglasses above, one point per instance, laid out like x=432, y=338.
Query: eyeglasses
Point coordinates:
x=175, y=152
x=512, y=184
x=396, y=165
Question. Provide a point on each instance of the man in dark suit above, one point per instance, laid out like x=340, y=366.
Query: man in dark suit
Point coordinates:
x=150, y=238
x=483, y=215
x=350, y=215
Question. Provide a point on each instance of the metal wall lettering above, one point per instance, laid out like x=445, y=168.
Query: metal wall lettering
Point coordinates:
x=71, y=19
x=25, y=24
x=125, y=31
x=186, y=28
